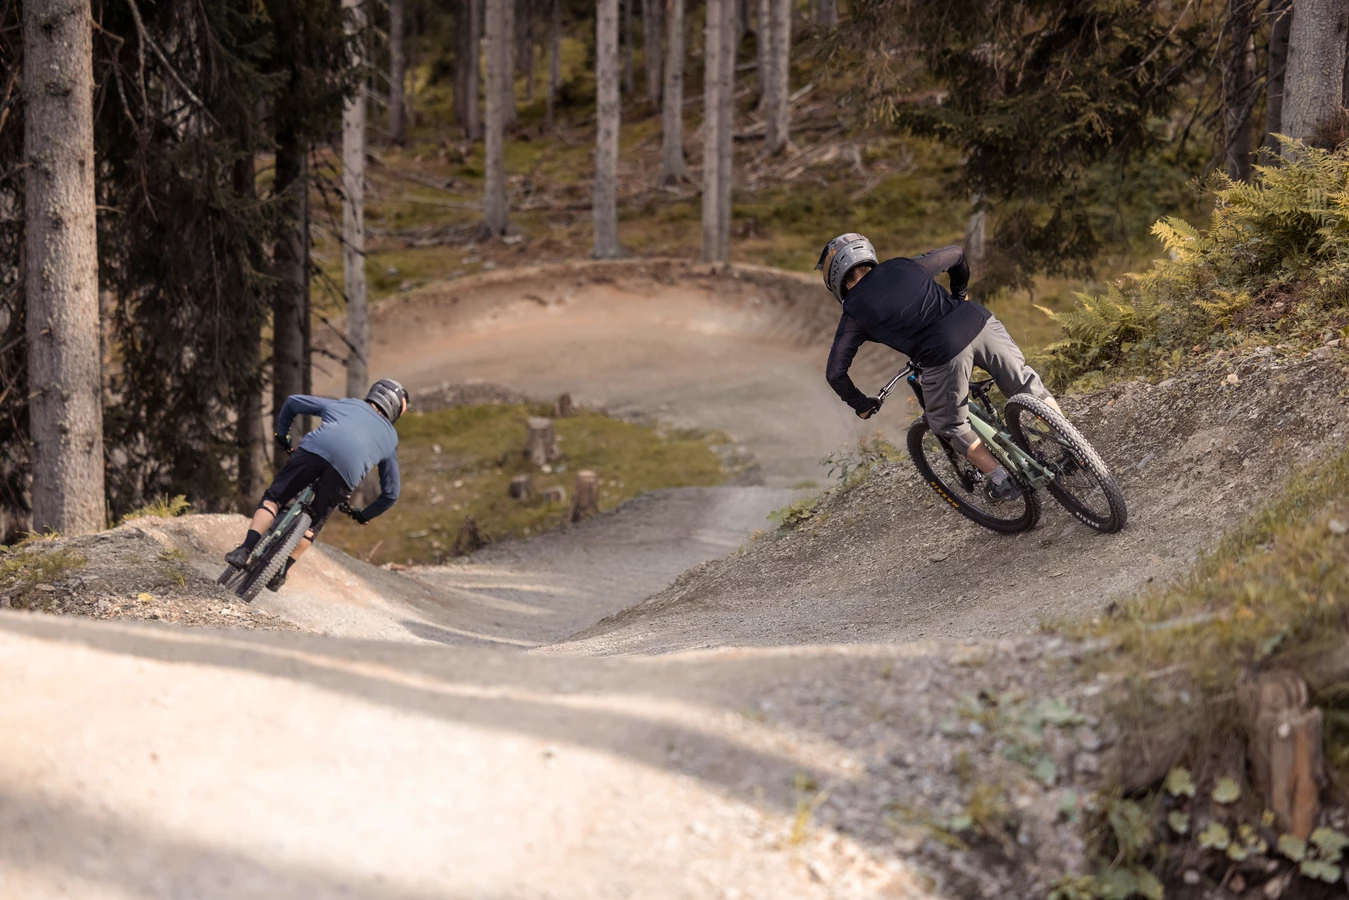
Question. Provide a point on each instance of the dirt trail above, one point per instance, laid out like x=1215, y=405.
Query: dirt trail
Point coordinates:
x=797, y=758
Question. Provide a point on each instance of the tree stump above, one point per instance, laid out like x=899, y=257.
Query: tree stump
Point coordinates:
x=563, y=407
x=1283, y=747
x=555, y=494
x=522, y=487
x=541, y=441
x=469, y=539
x=586, y=498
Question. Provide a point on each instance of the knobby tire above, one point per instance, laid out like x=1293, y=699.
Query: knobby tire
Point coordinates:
x=274, y=561
x=1112, y=513
x=1023, y=512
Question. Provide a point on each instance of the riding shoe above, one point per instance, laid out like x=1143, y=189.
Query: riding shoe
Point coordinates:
x=1007, y=490
x=238, y=557
x=278, y=579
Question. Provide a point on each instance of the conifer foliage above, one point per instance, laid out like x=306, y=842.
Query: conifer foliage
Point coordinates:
x=187, y=98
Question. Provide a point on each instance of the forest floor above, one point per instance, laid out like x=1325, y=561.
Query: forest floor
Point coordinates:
x=859, y=707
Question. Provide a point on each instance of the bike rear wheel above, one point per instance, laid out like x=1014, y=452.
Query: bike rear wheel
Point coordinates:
x=1082, y=484
x=272, y=563
x=957, y=481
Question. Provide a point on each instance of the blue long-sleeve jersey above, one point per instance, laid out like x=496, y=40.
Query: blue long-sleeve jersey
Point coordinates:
x=353, y=438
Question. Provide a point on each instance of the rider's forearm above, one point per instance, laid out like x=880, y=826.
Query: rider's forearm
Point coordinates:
x=380, y=505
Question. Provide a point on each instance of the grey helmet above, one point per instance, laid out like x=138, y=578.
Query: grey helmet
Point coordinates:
x=840, y=256
x=387, y=396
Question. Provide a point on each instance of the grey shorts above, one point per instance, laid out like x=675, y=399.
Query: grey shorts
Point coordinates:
x=946, y=388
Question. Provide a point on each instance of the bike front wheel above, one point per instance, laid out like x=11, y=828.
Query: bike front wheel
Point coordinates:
x=958, y=482
x=1082, y=483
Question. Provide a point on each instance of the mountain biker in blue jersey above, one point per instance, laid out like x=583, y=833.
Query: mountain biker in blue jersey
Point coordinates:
x=354, y=437
x=899, y=303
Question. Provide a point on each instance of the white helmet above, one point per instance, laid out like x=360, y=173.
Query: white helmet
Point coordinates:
x=840, y=256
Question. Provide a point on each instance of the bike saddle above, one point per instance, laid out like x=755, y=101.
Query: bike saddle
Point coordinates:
x=981, y=386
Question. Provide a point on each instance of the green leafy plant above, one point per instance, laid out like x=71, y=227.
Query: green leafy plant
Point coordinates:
x=797, y=514
x=1285, y=234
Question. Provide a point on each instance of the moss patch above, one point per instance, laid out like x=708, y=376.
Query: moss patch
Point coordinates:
x=457, y=465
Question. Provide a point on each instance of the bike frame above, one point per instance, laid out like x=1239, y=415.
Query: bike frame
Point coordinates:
x=997, y=439
x=282, y=523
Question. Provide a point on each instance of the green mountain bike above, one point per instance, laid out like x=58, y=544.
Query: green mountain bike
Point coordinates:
x=1038, y=447
x=276, y=546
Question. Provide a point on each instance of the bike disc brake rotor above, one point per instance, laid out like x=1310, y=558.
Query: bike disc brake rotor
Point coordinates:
x=1070, y=475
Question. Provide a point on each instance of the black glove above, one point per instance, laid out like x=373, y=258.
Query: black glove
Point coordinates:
x=358, y=516
x=872, y=407
x=283, y=441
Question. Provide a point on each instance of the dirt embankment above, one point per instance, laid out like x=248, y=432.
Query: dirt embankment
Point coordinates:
x=885, y=561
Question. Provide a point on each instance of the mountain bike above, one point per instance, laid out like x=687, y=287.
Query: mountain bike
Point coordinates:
x=276, y=546
x=1037, y=446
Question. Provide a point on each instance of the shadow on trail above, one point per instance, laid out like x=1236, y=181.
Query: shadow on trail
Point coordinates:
x=670, y=714
x=176, y=866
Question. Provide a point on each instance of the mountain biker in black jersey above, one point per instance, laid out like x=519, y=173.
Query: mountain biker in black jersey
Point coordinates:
x=354, y=437
x=899, y=303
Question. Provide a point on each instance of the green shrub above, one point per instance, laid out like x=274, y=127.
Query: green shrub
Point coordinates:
x=1284, y=236
x=796, y=515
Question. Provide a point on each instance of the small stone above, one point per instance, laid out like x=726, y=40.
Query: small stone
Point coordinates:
x=1323, y=352
x=102, y=607
x=1337, y=527
x=1232, y=378
x=1237, y=884
x=1087, y=764
x=1190, y=877
x=1088, y=740
x=46, y=588
x=1166, y=383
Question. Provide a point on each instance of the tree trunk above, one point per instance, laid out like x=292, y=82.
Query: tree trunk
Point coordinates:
x=541, y=441
x=742, y=10
x=976, y=231
x=522, y=487
x=651, y=55
x=463, y=30
x=494, y=194
x=828, y=13
x=527, y=49
x=289, y=255
x=65, y=408
x=507, y=60
x=1315, y=79
x=1281, y=12
x=554, y=60
x=410, y=96
x=472, y=117
x=1237, y=79
x=563, y=406
x=761, y=40
x=586, y=499
x=712, y=81
x=397, y=73
x=628, y=34
x=353, y=223
x=251, y=435
x=672, y=170
x=776, y=137
x=730, y=41
x=605, y=204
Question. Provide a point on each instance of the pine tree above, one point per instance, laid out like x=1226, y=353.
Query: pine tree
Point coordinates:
x=66, y=411
x=1280, y=14
x=719, y=57
x=353, y=219
x=606, y=132
x=494, y=189
x=651, y=50
x=776, y=86
x=1314, y=84
x=672, y=168
x=554, y=59
x=397, y=72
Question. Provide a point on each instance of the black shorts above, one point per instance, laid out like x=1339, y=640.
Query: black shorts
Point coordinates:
x=300, y=471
